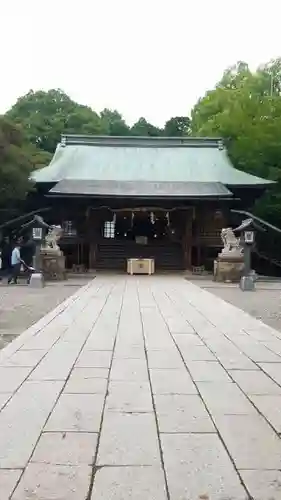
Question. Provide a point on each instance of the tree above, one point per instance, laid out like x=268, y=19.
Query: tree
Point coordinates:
x=143, y=128
x=44, y=116
x=17, y=159
x=245, y=110
x=113, y=123
x=177, y=126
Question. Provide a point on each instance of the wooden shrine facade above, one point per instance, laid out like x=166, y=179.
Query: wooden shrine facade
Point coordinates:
x=103, y=237
x=150, y=197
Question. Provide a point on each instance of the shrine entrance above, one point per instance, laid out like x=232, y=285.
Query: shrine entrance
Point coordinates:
x=141, y=233
x=141, y=226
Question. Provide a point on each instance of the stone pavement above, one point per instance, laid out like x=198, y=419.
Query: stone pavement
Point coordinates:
x=143, y=388
x=264, y=305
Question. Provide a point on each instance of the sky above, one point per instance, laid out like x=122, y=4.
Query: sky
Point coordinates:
x=151, y=58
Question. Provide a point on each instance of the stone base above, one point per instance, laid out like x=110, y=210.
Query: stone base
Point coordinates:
x=37, y=280
x=228, y=271
x=247, y=284
x=53, y=266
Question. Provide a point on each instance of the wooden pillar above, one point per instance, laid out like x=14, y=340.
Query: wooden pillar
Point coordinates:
x=93, y=222
x=187, y=239
x=92, y=255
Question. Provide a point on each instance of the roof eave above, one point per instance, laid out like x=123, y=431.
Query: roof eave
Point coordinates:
x=141, y=197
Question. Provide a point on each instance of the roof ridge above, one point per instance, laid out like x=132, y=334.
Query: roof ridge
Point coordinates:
x=140, y=141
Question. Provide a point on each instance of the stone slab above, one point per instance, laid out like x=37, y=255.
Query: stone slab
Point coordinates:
x=8, y=481
x=65, y=448
x=94, y=359
x=128, y=351
x=53, y=482
x=25, y=358
x=87, y=381
x=76, y=412
x=88, y=373
x=273, y=345
x=165, y=359
x=197, y=353
x=258, y=352
x=250, y=441
x=158, y=342
x=129, y=397
x=236, y=362
x=129, y=369
x=128, y=439
x=4, y=397
x=207, y=371
x=182, y=413
x=22, y=420
x=187, y=341
x=273, y=370
x=225, y=399
x=263, y=484
x=124, y=483
x=57, y=363
x=45, y=339
x=11, y=377
x=171, y=382
x=198, y=467
x=177, y=324
x=260, y=331
x=255, y=382
x=99, y=342
x=269, y=406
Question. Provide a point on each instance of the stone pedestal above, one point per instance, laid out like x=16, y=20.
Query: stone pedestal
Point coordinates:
x=247, y=284
x=53, y=266
x=37, y=280
x=228, y=269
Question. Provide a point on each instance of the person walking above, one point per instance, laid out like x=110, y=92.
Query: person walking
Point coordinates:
x=16, y=262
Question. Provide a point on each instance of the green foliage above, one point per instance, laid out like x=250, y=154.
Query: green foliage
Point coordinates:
x=44, y=116
x=17, y=159
x=113, y=123
x=177, y=126
x=245, y=110
x=143, y=128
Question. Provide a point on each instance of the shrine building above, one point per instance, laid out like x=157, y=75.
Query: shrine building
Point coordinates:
x=145, y=197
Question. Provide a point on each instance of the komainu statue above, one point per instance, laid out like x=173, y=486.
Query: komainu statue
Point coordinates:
x=53, y=260
x=228, y=266
x=231, y=244
x=51, y=240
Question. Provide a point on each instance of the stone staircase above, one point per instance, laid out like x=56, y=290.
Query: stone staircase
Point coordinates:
x=113, y=254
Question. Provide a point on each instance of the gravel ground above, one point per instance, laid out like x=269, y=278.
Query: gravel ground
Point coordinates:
x=264, y=303
x=21, y=306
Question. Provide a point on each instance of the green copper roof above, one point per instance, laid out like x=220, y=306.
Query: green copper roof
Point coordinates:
x=146, y=159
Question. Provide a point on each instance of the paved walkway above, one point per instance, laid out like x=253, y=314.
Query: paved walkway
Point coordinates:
x=142, y=388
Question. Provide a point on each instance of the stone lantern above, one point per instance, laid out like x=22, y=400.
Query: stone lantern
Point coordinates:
x=247, y=232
